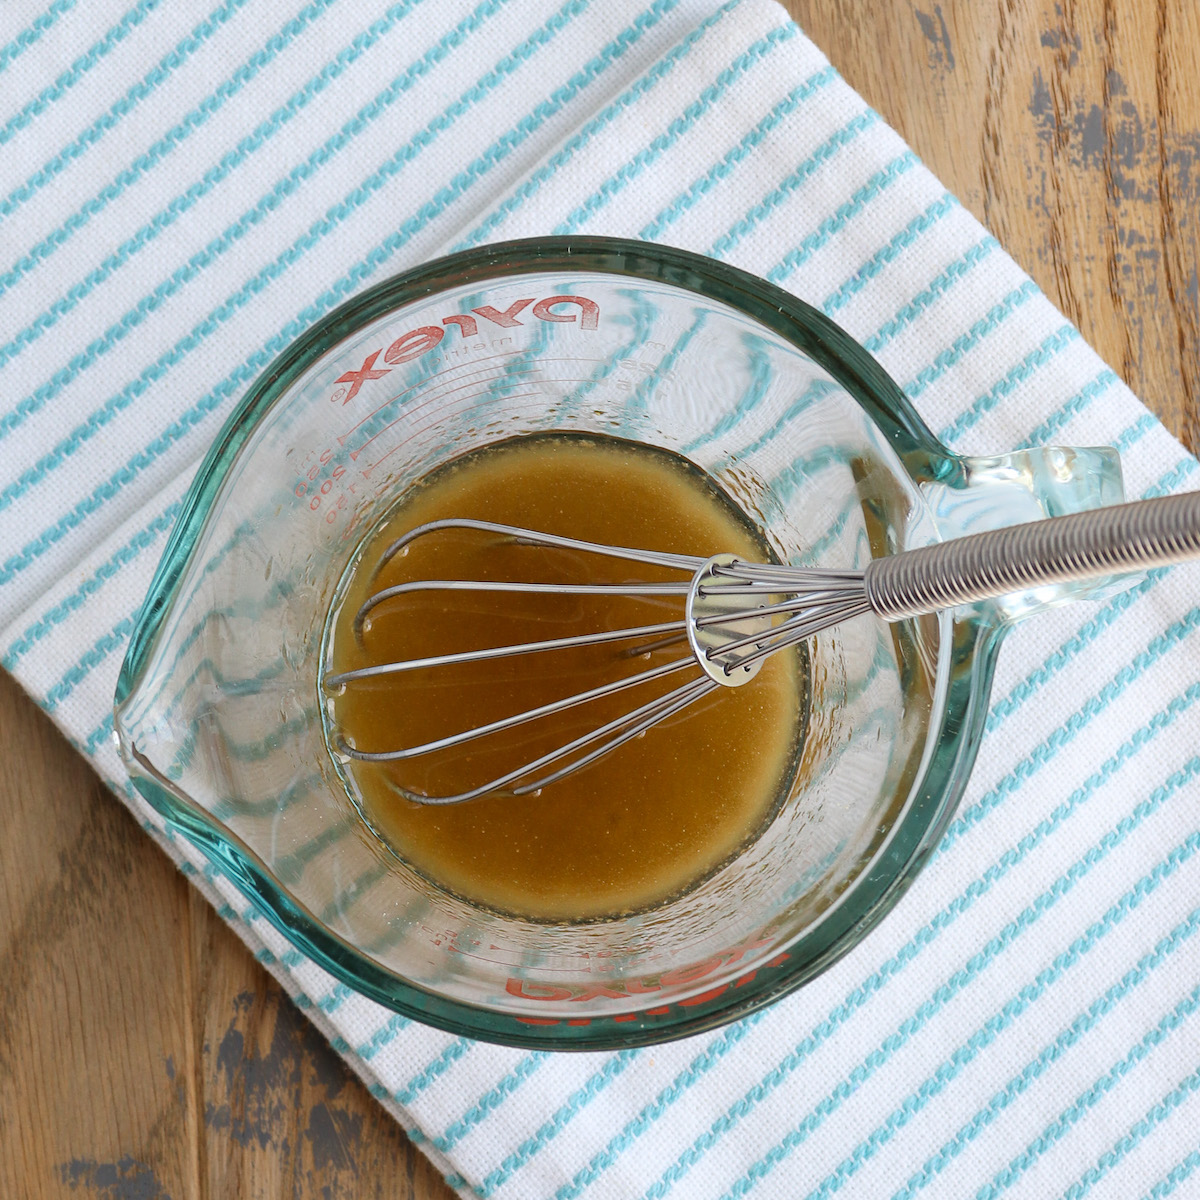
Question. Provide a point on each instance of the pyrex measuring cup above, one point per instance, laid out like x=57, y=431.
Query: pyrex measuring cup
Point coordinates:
x=218, y=709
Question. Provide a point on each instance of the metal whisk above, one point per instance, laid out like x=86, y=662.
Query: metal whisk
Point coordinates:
x=737, y=614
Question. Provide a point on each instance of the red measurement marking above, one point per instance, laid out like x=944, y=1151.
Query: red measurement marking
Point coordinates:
x=367, y=470
x=422, y=383
x=357, y=378
x=434, y=397
x=426, y=401
x=471, y=367
x=704, y=997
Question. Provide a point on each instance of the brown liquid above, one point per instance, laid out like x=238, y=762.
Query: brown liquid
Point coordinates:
x=640, y=824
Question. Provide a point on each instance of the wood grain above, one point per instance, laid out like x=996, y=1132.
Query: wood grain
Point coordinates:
x=143, y=1052
x=1071, y=128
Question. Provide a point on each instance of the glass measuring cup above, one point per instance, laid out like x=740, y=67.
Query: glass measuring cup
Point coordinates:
x=224, y=730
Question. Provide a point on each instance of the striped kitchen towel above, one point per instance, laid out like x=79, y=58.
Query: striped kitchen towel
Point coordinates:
x=185, y=188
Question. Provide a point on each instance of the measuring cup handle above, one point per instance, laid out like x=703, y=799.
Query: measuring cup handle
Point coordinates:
x=985, y=566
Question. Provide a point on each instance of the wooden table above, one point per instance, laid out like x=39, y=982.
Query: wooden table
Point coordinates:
x=143, y=1052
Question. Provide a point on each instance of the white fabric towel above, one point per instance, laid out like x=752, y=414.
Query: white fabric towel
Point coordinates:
x=184, y=189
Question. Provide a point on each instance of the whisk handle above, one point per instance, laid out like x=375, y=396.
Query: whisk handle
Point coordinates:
x=983, y=566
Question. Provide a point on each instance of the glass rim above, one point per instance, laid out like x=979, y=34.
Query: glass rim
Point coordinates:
x=929, y=807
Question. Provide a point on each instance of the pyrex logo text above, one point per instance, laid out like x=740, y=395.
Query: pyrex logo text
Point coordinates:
x=419, y=341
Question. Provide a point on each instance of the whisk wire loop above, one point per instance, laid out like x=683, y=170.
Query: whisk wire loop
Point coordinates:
x=521, y=718
x=341, y=678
